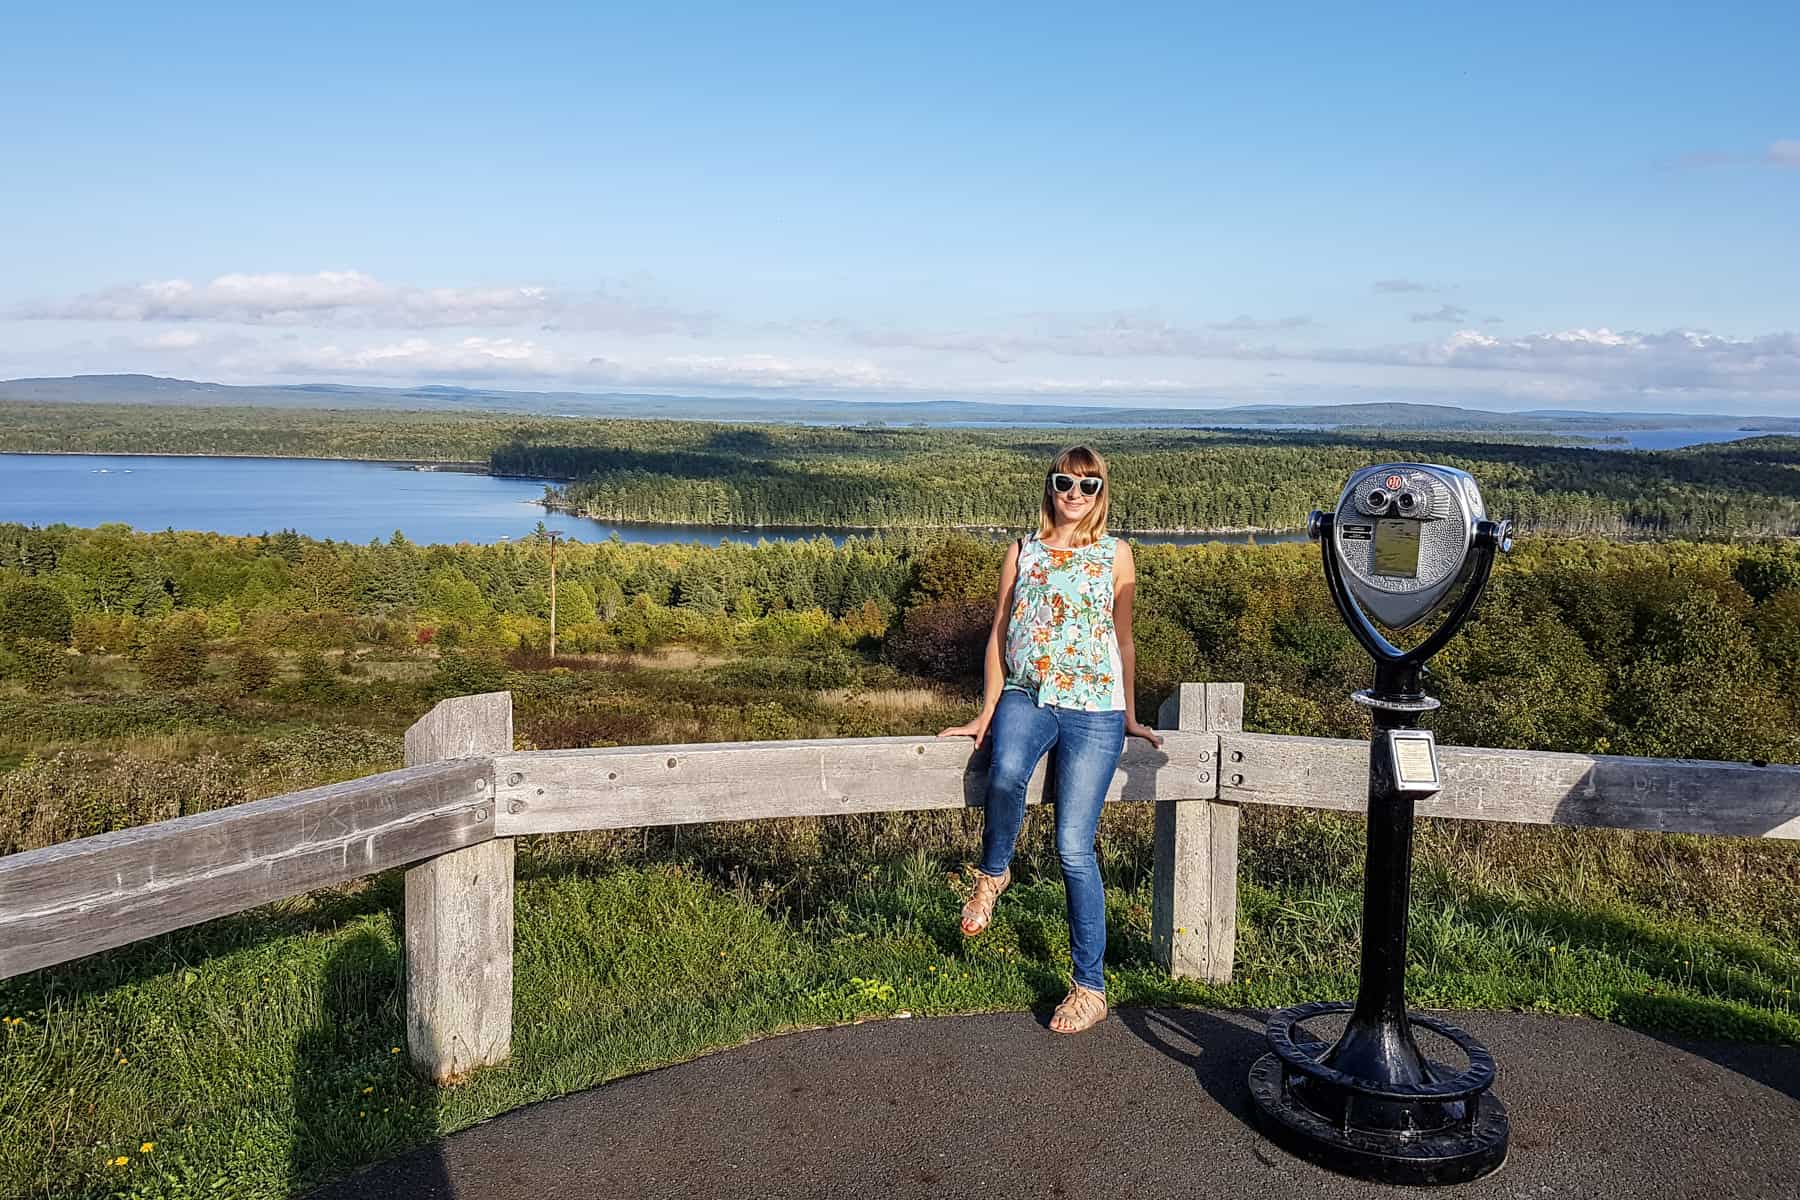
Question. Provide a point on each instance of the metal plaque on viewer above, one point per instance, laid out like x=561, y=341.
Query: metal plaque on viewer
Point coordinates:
x=1414, y=755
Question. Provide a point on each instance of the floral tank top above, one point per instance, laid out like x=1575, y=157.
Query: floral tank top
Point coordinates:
x=1061, y=647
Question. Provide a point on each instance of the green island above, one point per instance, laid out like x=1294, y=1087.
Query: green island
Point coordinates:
x=152, y=675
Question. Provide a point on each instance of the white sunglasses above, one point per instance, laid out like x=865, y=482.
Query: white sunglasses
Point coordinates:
x=1090, y=484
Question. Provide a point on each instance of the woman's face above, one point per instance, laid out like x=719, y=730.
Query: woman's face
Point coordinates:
x=1075, y=503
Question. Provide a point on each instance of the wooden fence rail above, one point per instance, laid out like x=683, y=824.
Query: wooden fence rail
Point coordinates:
x=451, y=813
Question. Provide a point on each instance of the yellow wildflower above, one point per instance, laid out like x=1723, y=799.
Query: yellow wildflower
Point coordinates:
x=394, y=1050
x=119, y=1161
x=367, y=1090
x=146, y=1148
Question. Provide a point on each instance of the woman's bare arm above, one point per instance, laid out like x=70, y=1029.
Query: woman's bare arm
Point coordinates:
x=993, y=676
x=1124, y=592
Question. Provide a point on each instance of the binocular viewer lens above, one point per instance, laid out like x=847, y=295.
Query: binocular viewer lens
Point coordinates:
x=1406, y=503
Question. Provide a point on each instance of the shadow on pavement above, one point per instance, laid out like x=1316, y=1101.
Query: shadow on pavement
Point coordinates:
x=1773, y=1067
x=1215, y=1046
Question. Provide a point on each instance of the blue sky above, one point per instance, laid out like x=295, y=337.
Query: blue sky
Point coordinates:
x=1530, y=207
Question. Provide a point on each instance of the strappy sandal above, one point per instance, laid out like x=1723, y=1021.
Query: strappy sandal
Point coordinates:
x=979, y=911
x=1083, y=1008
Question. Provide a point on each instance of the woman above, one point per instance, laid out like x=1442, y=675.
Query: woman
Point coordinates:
x=1059, y=673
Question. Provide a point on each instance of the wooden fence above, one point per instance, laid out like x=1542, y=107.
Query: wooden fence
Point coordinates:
x=451, y=813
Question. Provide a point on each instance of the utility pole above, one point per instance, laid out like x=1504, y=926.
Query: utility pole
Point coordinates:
x=553, y=535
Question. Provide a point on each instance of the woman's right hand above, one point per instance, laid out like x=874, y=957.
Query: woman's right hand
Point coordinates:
x=976, y=729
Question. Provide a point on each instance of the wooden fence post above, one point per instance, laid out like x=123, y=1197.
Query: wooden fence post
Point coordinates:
x=1193, y=920
x=459, y=913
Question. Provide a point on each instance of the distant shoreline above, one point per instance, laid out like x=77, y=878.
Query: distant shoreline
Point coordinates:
x=475, y=468
x=465, y=466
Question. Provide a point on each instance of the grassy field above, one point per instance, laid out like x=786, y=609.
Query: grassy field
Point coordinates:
x=258, y=1055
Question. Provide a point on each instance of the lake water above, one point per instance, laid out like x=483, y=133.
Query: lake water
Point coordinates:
x=1674, y=439
x=327, y=498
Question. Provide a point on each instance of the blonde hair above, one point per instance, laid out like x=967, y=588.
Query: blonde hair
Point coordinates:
x=1077, y=460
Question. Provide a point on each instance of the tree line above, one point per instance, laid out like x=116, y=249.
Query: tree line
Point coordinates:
x=712, y=474
x=1171, y=480
x=1671, y=649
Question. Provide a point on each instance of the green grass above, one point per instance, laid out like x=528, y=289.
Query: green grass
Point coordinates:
x=258, y=1053
x=242, y=1049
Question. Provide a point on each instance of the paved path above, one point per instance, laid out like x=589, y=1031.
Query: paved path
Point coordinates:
x=1150, y=1104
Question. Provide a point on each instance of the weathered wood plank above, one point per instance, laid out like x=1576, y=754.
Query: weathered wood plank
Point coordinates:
x=1664, y=795
x=94, y=893
x=1193, y=913
x=459, y=915
x=624, y=787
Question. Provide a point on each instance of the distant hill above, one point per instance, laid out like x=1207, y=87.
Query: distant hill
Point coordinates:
x=151, y=389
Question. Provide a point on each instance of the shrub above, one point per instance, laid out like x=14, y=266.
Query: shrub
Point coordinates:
x=75, y=794
x=863, y=626
x=35, y=611
x=465, y=674
x=770, y=723
x=589, y=638
x=945, y=640
x=251, y=669
x=312, y=756
x=105, y=633
x=786, y=632
x=817, y=671
x=38, y=664
x=1166, y=655
x=318, y=682
x=958, y=568
x=1765, y=570
x=175, y=657
x=224, y=620
x=327, y=629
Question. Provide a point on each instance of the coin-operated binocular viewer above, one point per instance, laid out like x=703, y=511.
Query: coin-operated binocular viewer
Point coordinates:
x=1406, y=541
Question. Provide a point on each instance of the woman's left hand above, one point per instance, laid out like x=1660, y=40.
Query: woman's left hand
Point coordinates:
x=1137, y=729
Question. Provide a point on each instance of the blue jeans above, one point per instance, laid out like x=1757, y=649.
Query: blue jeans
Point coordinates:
x=1089, y=744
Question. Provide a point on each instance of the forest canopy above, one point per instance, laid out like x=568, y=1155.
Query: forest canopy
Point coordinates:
x=1675, y=649
x=883, y=477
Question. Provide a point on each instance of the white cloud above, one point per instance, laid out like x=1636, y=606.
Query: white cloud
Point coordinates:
x=1676, y=360
x=174, y=339
x=1403, y=285
x=1247, y=324
x=422, y=359
x=1783, y=153
x=1107, y=335
x=356, y=299
x=755, y=370
x=1448, y=314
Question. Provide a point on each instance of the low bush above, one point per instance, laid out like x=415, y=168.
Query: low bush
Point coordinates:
x=176, y=656
x=35, y=612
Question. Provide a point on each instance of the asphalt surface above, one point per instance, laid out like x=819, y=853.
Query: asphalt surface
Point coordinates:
x=1152, y=1103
